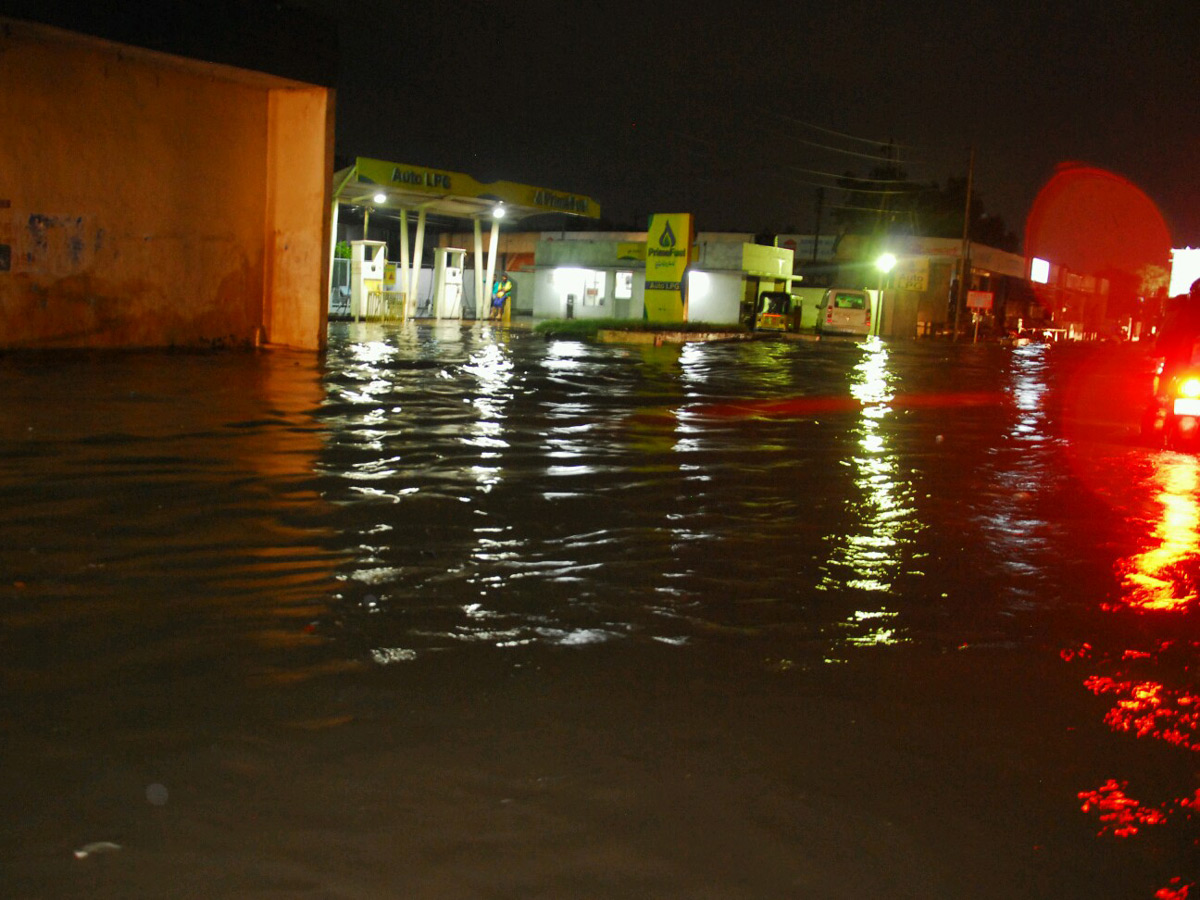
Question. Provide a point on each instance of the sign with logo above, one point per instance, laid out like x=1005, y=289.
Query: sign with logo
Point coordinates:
x=668, y=245
x=911, y=274
x=980, y=300
x=409, y=180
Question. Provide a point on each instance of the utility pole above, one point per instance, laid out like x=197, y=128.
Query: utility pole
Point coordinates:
x=964, y=254
x=817, y=230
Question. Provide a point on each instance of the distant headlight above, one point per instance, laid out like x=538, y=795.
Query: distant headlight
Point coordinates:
x=1190, y=387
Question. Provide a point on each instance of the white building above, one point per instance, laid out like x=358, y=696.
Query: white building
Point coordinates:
x=603, y=275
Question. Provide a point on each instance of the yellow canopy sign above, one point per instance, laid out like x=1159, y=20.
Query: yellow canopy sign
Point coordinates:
x=420, y=182
x=668, y=246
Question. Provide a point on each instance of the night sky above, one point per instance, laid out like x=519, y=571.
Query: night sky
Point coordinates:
x=731, y=111
x=728, y=111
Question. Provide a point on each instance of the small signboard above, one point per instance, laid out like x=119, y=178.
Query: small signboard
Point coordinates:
x=980, y=300
x=911, y=274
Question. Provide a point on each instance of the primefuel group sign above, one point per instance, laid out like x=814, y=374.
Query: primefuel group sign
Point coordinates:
x=668, y=246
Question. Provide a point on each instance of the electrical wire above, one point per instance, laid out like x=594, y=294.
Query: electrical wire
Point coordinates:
x=849, y=137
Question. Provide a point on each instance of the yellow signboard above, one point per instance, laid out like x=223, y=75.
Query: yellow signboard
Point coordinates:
x=668, y=244
x=440, y=183
x=911, y=274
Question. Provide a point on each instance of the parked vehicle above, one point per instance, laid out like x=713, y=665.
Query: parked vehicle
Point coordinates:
x=1173, y=415
x=844, y=311
x=775, y=312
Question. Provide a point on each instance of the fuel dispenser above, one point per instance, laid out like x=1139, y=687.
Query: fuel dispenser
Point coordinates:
x=448, y=265
x=367, y=261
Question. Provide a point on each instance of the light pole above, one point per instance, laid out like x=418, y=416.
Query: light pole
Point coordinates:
x=884, y=263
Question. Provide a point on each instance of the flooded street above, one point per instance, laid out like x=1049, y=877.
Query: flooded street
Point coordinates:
x=465, y=612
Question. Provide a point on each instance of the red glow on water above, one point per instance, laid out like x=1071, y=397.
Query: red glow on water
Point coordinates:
x=1176, y=890
x=1157, y=579
x=807, y=405
x=1149, y=709
x=1081, y=652
x=1121, y=815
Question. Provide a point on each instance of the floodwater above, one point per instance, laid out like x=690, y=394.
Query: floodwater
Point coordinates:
x=462, y=612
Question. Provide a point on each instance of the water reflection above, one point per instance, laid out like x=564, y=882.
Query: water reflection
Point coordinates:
x=1160, y=578
x=1152, y=687
x=1021, y=473
x=492, y=369
x=167, y=519
x=868, y=555
x=568, y=439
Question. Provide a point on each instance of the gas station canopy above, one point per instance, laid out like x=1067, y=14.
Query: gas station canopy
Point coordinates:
x=388, y=185
x=374, y=185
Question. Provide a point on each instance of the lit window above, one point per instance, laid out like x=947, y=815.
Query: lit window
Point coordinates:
x=623, y=287
x=1039, y=270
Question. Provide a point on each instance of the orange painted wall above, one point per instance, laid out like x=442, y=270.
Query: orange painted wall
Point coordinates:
x=298, y=184
x=148, y=200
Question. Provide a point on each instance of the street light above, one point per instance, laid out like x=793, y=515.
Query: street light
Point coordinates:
x=381, y=197
x=884, y=263
x=499, y=211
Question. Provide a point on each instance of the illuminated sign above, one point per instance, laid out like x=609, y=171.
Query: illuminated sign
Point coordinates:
x=1185, y=268
x=1039, y=270
x=668, y=242
x=423, y=177
x=911, y=274
x=561, y=202
x=980, y=299
x=404, y=179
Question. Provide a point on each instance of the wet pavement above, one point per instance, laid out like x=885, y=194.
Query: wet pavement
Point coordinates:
x=464, y=612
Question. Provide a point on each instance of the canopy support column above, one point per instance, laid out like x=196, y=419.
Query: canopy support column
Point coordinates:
x=405, y=279
x=418, y=253
x=481, y=302
x=491, y=261
x=333, y=222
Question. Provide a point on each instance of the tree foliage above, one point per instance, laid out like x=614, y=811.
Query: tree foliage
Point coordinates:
x=886, y=201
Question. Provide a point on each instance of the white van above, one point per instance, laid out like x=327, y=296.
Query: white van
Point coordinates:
x=844, y=311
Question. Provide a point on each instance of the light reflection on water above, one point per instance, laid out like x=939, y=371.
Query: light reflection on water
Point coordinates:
x=184, y=527
x=869, y=554
x=1022, y=475
x=1149, y=677
x=1160, y=577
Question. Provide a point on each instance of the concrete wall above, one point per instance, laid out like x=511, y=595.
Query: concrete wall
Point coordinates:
x=148, y=200
x=299, y=155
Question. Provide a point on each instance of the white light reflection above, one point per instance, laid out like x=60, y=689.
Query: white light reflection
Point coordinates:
x=493, y=371
x=1011, y=521
x=694, y=365
x=871, y=552
x=570, y=437
x=368, y=367
x=564, y=355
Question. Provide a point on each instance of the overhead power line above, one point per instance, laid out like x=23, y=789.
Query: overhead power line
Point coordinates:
x=849, y=137
x=851, y=177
